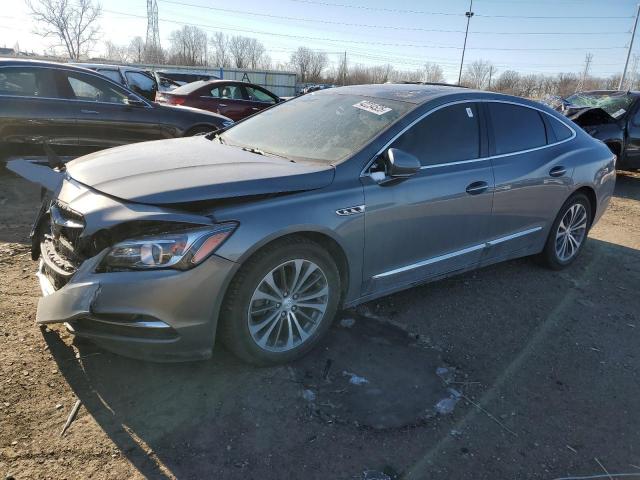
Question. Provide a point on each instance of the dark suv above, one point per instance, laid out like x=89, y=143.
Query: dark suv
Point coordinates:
x=58, y=104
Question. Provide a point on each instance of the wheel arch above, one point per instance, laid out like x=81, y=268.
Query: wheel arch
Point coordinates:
x=590, y=193
x=321, y=237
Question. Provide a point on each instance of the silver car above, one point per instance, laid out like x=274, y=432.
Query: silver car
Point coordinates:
x=261, y=233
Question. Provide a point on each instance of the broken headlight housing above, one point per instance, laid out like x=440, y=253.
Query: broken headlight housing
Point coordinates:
x=180, y=250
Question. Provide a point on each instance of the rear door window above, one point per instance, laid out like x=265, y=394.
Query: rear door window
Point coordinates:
x=450, y=134
x=257, y=95
x=94, y=89
x=112, y=74
x=230, y=92
x=141, y=83
x=27, y=82
x=516, y=128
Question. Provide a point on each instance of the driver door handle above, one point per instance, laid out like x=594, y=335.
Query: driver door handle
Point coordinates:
x=557, y=171
x=477, y=187
x=89, y=112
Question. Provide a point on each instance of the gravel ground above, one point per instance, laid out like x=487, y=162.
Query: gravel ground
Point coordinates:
x=545, y=366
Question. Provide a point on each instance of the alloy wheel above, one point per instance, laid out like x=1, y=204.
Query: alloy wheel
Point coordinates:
x=571, y=232
x=288, y=305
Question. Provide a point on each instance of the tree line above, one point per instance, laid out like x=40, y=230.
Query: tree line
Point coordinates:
x=74, y=23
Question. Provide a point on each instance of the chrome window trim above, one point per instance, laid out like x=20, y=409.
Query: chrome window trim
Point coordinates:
x=459, y=162
x=457, y=253
x=91, y=73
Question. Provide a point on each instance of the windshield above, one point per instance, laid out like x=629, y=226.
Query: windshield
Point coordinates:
x=615, y=104
x=318, y=127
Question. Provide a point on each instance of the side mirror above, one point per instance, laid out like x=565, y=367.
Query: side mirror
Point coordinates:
x=400, y=164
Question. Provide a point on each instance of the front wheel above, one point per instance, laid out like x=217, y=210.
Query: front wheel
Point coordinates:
x=568, y=232
x=281, y=302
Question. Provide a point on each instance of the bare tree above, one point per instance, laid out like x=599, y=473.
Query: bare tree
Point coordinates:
x=72, y=22
x=188, y=46
x=136, y=50
x=433, y=73
x=220, y=55
x=566, y=84
x=508, y=82
x=256, y=53
x=115, y=52
x=477, y=74
x=309, y=64
x=247, y=52
x=239, y=50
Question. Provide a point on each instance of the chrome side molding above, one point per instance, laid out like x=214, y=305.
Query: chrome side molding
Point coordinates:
x=457, y=253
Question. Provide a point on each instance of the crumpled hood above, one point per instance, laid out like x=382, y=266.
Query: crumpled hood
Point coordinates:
x=192, y=169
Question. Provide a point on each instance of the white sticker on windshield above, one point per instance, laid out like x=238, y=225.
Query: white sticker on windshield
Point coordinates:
x=619, y=113
x=469, y=112
x=372, y=107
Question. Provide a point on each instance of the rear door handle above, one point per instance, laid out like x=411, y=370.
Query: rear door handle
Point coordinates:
x=557, y=171
x=89, y=112
x=477, y=187
x=222, y=104
x=255, y=108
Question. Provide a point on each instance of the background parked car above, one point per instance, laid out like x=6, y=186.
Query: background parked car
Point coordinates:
x=611, y=116
x=135, y=79
x=232, y=99
x=182, y=78
x=66, y=105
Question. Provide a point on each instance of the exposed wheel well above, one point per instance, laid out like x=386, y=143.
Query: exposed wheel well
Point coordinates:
x=593, y=201
x=616, y=149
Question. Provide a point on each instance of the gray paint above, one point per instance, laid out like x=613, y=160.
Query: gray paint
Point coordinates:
x=421, y=229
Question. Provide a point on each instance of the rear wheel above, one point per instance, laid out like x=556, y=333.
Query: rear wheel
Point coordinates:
x=568, y=232
x=281, y=302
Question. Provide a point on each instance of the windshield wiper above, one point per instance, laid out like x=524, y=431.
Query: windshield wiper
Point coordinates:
x=258, y=151
x=215, y=136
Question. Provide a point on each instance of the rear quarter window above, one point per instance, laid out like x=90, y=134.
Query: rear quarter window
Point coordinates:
x=561, y=131
x=516, y=128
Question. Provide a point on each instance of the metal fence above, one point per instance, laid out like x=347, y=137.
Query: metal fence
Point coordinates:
x=281, y=83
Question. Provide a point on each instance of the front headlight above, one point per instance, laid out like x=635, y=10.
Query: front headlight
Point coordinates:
x=179, y=250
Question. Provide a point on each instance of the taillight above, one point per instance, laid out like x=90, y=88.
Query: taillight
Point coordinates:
x=176, y=100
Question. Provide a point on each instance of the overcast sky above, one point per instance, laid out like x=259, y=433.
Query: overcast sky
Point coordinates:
x=405, y=33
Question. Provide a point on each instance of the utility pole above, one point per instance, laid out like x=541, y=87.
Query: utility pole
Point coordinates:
x=587, y=64
x=344, y=69
x=490, y=76
x=469, y=14
x=633, y=36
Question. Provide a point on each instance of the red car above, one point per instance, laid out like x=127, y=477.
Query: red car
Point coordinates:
x=232, y=99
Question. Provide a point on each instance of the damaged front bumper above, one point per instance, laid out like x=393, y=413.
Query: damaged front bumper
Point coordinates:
x=160, y=315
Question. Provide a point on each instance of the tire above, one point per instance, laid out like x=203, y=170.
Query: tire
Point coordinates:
x=201, y=130
x=264, y=327
x=552, y=255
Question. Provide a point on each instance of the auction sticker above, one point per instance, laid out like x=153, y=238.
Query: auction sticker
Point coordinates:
x=372, y=107
x=619, y=113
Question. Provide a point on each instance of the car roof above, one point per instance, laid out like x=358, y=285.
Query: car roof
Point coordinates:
x=410, y=93
x=41, y=63
x=107, y=66
x=193, y=86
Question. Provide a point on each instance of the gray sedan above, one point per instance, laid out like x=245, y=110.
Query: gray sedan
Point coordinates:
x=262, y=232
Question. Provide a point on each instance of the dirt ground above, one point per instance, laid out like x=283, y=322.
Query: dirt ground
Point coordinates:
x=545, y=368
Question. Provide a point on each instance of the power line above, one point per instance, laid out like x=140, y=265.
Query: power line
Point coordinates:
x=421, y=12
x=365, y=25
x=367, y=42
